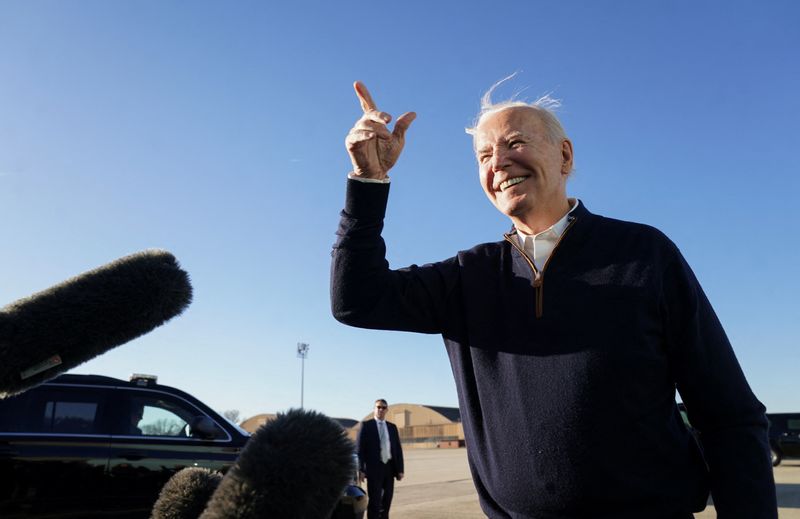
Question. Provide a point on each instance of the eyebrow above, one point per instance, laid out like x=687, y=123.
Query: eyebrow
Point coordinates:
x=511, y=136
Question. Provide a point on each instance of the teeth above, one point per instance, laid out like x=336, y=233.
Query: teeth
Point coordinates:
x=511, y=182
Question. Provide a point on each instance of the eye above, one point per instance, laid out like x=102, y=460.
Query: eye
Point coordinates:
x=515, y=144
x=483, y=157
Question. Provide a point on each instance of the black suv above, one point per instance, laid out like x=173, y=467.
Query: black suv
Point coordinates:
x=784, y=436
x=83, y=446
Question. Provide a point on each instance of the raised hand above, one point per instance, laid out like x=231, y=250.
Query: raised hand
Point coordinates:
x=372, y=147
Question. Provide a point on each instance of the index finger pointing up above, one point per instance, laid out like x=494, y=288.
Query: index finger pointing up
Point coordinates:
x=367, y=104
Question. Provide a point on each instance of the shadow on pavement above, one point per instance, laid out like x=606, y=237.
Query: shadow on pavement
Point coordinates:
x=788, y=495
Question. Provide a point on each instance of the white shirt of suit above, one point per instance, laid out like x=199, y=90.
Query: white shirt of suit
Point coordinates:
x=383, y=437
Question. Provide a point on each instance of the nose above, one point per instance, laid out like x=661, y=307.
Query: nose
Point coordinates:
x=499, y=159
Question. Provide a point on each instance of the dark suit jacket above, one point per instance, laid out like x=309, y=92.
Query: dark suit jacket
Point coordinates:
x=369, y=448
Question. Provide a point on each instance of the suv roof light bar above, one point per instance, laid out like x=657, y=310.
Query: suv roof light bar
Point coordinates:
x=141, y=379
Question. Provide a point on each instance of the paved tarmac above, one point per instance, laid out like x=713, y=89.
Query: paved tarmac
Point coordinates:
x=438, y=486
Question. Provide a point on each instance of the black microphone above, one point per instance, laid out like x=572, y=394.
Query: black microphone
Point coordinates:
x=184, y=495
x=59, y=328
x=293, y=467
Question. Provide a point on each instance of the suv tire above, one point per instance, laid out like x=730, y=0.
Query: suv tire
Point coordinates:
x=775, y=455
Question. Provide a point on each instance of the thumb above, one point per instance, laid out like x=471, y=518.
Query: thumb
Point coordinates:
x=402, y=124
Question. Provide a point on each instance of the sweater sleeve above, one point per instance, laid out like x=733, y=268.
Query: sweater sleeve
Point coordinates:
x=365, y=292
x=720, y=404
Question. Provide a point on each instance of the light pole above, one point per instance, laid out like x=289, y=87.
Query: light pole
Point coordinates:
x=302, y=353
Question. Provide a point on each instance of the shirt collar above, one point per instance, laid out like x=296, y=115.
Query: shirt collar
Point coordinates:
x=556, y=230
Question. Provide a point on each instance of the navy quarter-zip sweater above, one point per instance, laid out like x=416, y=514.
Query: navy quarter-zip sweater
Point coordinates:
x=567, y=383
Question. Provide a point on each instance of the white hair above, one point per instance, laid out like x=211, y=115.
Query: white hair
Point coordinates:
x=545, y=107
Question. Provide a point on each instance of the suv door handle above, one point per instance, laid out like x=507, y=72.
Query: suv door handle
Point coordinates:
x=132, y=456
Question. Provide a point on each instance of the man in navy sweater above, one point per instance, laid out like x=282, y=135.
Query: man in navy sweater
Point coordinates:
x=568, y=338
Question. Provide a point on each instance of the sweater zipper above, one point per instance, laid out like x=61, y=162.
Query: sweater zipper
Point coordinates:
x=538, y=275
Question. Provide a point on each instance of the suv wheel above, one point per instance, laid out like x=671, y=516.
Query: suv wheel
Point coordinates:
x=775, y=455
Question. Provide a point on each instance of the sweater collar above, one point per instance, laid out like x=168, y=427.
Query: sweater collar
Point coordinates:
x=576, y=213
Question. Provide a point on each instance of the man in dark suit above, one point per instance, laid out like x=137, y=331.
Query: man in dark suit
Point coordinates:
x=380, y=459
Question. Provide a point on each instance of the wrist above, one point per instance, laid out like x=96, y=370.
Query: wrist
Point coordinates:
x=376, y=172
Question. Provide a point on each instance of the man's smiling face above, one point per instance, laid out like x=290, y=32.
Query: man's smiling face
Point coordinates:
x=521, y=169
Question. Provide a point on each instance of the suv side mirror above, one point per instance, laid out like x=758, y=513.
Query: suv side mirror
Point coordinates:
x=203, y=427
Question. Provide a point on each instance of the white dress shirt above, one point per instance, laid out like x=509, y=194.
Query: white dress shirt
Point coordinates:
x=539, y=246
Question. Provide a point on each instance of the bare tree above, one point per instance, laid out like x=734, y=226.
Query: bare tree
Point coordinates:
x=163, y=427
x=232, y=415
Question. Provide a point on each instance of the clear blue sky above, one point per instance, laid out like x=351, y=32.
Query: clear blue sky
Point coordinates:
x=215, y=130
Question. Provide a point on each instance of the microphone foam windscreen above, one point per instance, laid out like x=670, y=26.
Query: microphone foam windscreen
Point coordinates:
x=185, y=495
x=57, y=329
x=295, y=466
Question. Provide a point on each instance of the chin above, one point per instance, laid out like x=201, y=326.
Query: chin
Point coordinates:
x=513, y=209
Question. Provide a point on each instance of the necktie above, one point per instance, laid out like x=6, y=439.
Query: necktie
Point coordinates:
x=384, y=439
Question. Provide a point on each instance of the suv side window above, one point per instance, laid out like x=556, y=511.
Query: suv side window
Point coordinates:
x=55, y=410
x=71, y=417
x=155, y=414
x=160, y=418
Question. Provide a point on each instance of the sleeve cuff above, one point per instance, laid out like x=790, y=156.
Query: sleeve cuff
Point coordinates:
x=353, y=176
x=366, y=199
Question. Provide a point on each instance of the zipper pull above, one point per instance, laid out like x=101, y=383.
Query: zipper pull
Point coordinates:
x=538, y=292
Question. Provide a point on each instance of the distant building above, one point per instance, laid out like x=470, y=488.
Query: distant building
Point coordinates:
x=251, y=424
x=346, y=423
x=420, y=426
x=425, y=426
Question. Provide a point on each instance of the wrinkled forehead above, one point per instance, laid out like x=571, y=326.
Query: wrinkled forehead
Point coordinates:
x=505, y=123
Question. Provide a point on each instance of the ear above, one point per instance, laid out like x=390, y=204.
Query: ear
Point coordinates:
x=566, y=157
